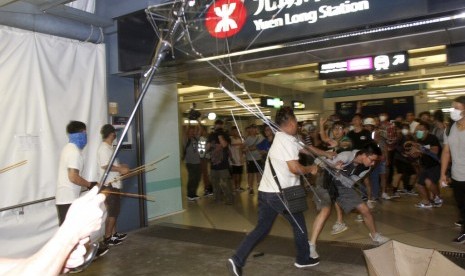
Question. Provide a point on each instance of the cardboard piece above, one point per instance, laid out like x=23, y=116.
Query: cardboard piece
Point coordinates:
x=398, y=259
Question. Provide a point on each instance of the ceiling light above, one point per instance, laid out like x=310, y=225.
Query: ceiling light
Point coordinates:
x=211, y=116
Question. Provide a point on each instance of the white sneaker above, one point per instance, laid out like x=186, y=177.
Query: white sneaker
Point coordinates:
x=395, y=195
x=379, y=239
x=359, y=218
x=313, y=253
x=437, y=202
x=371, y=204
x=385, y=196
x=338, y=228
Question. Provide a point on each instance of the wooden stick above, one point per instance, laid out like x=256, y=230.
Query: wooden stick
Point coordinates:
x=129, y=195
x=13, y=166
x=130, y=174
x=151, y=163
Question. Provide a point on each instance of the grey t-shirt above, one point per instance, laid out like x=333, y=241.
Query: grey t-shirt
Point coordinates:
x=456, y=142
x=253, y=141
x=191, y=153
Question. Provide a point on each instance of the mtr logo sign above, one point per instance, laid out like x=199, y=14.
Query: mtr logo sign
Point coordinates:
x=225, y=18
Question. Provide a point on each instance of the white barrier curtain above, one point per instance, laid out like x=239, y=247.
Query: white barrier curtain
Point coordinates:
x=46, y=81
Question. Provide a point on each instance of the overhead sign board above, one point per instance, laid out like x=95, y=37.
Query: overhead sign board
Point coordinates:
x=219, y=27
x=298, y=105
x=235, y=24
x=271, y=102
x=378, y=64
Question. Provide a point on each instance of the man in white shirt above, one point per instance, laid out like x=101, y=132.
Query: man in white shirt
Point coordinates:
x=112, y=201
x=284, y=155
x=71, y=164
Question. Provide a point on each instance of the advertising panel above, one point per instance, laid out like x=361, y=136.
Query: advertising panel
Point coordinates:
x=398, y=106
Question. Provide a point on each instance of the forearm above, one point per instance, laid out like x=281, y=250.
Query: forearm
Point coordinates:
x=296, y=168
x=6, y=265
x=445, y=158
x=50, y=259
x=78, y=180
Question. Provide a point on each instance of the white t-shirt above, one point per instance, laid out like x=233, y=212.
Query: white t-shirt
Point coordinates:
x=104, y=153
x=456, y=142
x=237, y=156
x=285, y=148
x=70, y=158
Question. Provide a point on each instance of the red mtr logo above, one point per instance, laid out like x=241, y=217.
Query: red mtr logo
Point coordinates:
x=225, y=18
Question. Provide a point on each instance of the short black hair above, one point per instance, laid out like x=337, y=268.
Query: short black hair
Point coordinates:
x=338, y=123
x=219, y=122
x=358, y=115
x=370, y=149
x=75, y=127
x=438, y=115
x=106, y=130
x=460, y=99
x=424, y=124
x=284, y=114
x=424, y=113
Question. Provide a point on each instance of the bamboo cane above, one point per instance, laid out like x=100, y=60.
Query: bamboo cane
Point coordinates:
x=130, y=195
x=13, y=166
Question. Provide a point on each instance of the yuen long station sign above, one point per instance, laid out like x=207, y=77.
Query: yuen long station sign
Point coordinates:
x=234, y=24
x=220, y=27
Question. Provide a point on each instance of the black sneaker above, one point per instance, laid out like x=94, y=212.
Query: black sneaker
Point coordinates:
x=309, y=263
x=460, y=238
x=120, y=236
x=102, y=250
x=112, y=241
x=233, y=268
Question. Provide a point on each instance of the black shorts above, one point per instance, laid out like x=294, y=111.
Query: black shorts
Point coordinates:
x=62, y=210
x=252, y=167
x=404, y=167
x=112, y=202
x=237, y=169
x=432, y=174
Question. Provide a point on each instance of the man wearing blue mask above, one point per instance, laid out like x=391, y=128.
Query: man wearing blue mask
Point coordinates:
x=71, y=164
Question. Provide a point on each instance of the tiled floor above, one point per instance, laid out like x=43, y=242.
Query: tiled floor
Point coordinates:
x=199, y=240
x=398, y=219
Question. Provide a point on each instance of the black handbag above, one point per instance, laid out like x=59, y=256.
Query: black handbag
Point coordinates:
x=294, y=197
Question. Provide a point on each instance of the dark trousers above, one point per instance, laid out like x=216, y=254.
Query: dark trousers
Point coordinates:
x=193, y=178
x=62, y=210
x=459, y=194
x=269, y=206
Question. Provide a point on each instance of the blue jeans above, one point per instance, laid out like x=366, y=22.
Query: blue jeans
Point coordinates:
x=269, y=206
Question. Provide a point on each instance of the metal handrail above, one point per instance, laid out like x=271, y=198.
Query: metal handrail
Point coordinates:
x=26, y=204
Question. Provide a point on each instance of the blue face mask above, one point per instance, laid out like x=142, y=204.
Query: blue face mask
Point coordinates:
x=79, y=139
x=420, y=134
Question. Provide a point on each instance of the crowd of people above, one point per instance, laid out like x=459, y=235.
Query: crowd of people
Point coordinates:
x=372, y=153
x=381, y=159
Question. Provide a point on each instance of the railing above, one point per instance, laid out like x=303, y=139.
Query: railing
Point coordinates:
x=26, y=204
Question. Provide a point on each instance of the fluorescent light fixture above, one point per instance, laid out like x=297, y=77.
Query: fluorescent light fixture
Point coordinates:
x=269, y=48
x=211, y=116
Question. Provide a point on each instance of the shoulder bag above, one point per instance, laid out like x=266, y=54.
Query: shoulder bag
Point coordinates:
x=294, y=197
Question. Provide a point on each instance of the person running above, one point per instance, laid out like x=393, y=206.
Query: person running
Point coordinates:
x=284, y=156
